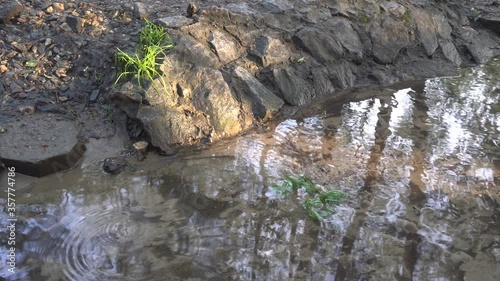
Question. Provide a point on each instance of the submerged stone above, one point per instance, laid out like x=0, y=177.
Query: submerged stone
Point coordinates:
x=114, y=165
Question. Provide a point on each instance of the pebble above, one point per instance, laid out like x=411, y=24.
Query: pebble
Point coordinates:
x=50, y=10
x=26, y=109
x=15, y=88
x=58, y=6
x=3, y=68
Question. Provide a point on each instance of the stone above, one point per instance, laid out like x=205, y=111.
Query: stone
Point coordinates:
x=167, y=128
x=294, y=89
x=94, y=95
x=451, y=53
x=211, y=96
x=27, y=109
x=189, y=50
x=345, y=34
x=276, y=6
x=10, y=10
x=114, y=165
x=264, y=104
x=341, y=75
x=15, y=88
x=268, y=51
x=75, y=23
x=241, y=8
x=40, y=146
x=226, y=49
x=174, y=21
x=3, y=68
x=388, y=38
x=321, y=82
x=426, y=30
x=140, y=145
x=393, y=8
x=49, y=10
x=48, y=108
x=321, y=45
x=480, y=53
x=58, y=6
x=140, y=11
x=191, y=10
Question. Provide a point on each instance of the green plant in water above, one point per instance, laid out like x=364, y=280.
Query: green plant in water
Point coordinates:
x=153, y=43
x=320, y=205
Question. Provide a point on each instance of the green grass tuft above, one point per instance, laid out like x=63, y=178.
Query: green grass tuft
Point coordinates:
x=145, y=62
x=320, y=205
x=364, y=19
x=406, y=17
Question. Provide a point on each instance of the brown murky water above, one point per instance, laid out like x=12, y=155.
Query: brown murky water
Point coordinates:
x=421, y=169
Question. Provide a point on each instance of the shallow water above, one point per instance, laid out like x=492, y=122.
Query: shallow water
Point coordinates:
x=421, y=169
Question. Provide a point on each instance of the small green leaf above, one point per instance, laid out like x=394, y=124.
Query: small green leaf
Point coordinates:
x=31, y=63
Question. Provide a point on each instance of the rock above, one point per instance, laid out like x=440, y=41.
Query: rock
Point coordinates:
x=15, y=88
x=322, y=84
x=75, y=23
x=27, y=109
x=168, y=128
x=49, y=10
x=294, y=89
x=226, y=49
x=241, y=8
x=3, y=68
x=426, y=30
x=345, y=34
x=321, y=45
x=388, y=38
x=191, y=10
x=276, y=6
x=174, y=21
x=393, y=8
x=264, y=103
x=48, y=108
x=480, y=53
x=94, y=95
x=140, y=145
x=10, y=10
x=451, y=53
x=114, y=165
x=40, y=146
x=341, y=75
x=58, y=6
x=140, y=11
x=191, y=51
x=211, y=96
x=268, y=51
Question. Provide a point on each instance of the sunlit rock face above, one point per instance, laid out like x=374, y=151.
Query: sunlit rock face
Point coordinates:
x=237, y=65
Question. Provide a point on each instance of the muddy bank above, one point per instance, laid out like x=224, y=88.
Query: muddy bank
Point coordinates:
x=235, y=65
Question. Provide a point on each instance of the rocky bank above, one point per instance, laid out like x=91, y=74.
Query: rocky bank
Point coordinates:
x=235, y=65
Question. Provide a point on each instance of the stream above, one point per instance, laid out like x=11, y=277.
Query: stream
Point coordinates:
x=420, y=167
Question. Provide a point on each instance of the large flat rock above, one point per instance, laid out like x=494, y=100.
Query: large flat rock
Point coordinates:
x=40, y=145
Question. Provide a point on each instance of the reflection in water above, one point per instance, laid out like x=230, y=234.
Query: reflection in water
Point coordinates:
x=421, y=169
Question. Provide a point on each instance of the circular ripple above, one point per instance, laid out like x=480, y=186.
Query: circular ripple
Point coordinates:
x=101, y=246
